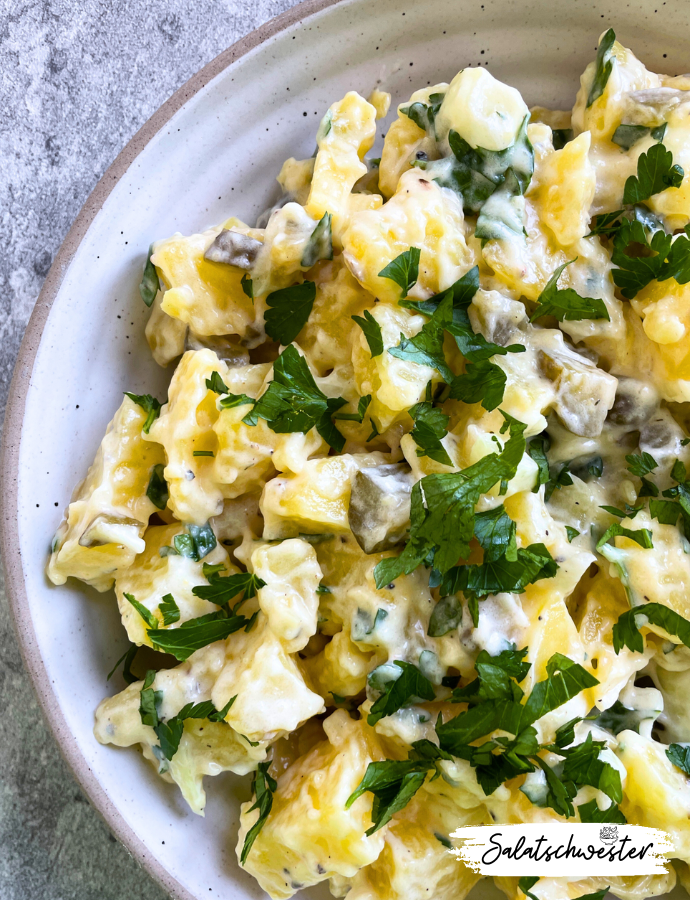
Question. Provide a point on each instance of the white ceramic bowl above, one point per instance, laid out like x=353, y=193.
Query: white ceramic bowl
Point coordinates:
x=212, y=151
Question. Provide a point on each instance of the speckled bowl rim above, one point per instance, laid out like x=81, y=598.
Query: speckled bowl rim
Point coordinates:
x=14, y=417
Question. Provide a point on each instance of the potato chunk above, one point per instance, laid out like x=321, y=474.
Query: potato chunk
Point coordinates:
x=309, y=835
x=289, y=599
x=109, y=510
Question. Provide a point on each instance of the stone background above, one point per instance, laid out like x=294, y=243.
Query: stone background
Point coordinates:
x=77, y=80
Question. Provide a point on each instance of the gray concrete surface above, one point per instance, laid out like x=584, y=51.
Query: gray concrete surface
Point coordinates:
x=77, y=79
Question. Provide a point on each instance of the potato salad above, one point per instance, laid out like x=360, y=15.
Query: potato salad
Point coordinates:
x=408, y=542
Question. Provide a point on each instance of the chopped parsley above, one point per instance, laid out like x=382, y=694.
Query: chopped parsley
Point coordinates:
x=372, y=332
x=426, y=347
x=157, y=490
x=626, y=631
x=655, y=173
x=222, y=589
x=409, y=685
x=430, y=425
x=604, y=66
x=150, y=405
x=476, y=173
x=567, y=305
x=263, y=788
x=320, y=244
x=679, y=754
x=247, y=286
x=424, y=114
x=194, y=634
x=195, y=544
x=443, y=509
x=641, y=464
x=288, y=311
x=403, y=270
x=149, y=281
x=169, y=609
x=494, y=702
x=293, y=402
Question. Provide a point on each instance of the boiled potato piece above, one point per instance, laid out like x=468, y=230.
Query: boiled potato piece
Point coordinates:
x=205, y=295
x=206, y=748
x=103, y=528
x=310, y=835
x=345, y=135
x=289, y=600
x=419, y=214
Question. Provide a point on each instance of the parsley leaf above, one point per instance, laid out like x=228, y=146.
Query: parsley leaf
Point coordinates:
x=230, y=401
x=626, y=136
x=149, y=281
x=483, y=382
x=169, y=610
x=442, y=509
x=145, y=614
x=626, y=631
x=197, y=633
x=537, y=448
x=410, y=684
x=221, y=590
x=423, y=114
x=157, y=490
x=426, y=347
x=666, y=512
x=446, y=616
x=149, y=701
x=169, y=733
x=642, y=536
x=263, y=787
x=606, y=223
x=641, y=464
x=583, y=766
x=565, y=679
x=289, y=309
x=150, y=405
x=628, y=513
x=590, y=812
x=404, y=269
x=372, y=332
x=430, y=425
x=526, y=883
x=679, y=754
x=571, y=533
x=197, y=543
x=293, y=402
x=476, y=173
x=362, y=407
x=562, y=480
x=635, y=272
x=215, y=383
x=393, y=784
x=567, y=305
x=128, y=658
x=319, y=246
x=655, y=173
x=501, y=575
x=604, y=66
x=247, y=286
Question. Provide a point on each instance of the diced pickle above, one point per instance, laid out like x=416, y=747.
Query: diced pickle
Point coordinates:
x=234, y=249
x=379, y=512
x=584, y=393
x=635, y=403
